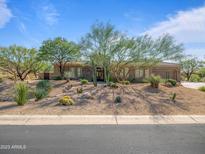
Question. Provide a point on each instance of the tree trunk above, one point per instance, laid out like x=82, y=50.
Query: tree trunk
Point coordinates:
x=94, y=74
x=106, y=75
x=61, y=69
x=188, y=77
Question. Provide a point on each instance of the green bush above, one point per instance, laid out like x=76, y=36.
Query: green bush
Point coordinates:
x=202, y=72
x=21, y=93
x=118, y=99
x=44, y=84
x=202, y=79
x=194, y=78
x=202, y=88
x=125, y=82
x=154, y=81
x=172, y=82
x=57, y=78
x=40, y=93
x=84, y=81
x=42, y=89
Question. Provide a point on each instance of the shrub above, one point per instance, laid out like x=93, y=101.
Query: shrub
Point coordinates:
x=118, y=99
x=42, y=89
x=202, y=79
x=202, y=88
x=57, y=78
x=44, y=84
x=66, y=100
x=202, y=72
x=173, y=97
x=1, y=79
x=40, y=93
x=79, y=90
x=154, y=81
x=194, y=78
x=172, y=82
x=125, y=82
x=21, y=93
x=84, y=81
x=113, y=85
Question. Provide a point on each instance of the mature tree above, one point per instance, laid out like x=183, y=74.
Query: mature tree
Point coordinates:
x=59, y=51
x=143, y=52
x=190, y=65
x=18, y=61
x=116, y=51
x=99, y=46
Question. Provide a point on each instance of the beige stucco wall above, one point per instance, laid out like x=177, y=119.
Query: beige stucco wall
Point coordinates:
x=173, y=71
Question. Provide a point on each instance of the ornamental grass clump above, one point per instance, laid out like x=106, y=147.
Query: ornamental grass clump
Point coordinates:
x=154, y=81
x=66, y=100
x=21, y=93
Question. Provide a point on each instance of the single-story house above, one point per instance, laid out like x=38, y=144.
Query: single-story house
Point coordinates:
x=79, y=70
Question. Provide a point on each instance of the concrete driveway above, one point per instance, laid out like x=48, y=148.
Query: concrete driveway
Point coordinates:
x=193, y=85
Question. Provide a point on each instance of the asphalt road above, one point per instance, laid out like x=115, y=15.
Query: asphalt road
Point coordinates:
x=103, y=139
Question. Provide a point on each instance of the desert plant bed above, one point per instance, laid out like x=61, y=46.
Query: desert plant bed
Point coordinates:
x=135, y=99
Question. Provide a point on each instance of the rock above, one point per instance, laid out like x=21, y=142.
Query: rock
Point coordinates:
x=6, y=99
x=87, y=95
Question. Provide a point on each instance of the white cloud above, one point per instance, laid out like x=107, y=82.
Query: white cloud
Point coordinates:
x=49, y=14
x=185, y=26
x=5, y=13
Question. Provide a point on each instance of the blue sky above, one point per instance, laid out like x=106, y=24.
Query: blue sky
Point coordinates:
x=28, y=23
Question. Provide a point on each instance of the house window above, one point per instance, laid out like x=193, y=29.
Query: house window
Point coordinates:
x=139, y=73
x=78, y=72
x=167, y=75
x=72, y=72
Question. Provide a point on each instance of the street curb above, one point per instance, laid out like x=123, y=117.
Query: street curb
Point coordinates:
x=99, y=119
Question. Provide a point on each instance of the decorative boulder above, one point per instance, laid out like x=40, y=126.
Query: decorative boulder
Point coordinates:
x=87, y=95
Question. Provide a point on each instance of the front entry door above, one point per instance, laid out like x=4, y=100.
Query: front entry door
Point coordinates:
x=100, y=74
x=46, y=76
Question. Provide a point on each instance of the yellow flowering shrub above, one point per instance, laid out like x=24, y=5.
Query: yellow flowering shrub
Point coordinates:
x=66, y=100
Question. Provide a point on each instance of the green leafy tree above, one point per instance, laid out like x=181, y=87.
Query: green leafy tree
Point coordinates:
x=189, y=66
x=19, y=61
x=99, y=45
x=59, y=51
x=106, y=47
x=143, y=52
x=202, y=72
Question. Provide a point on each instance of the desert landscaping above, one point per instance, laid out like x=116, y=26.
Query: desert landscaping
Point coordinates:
x=136, y=99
